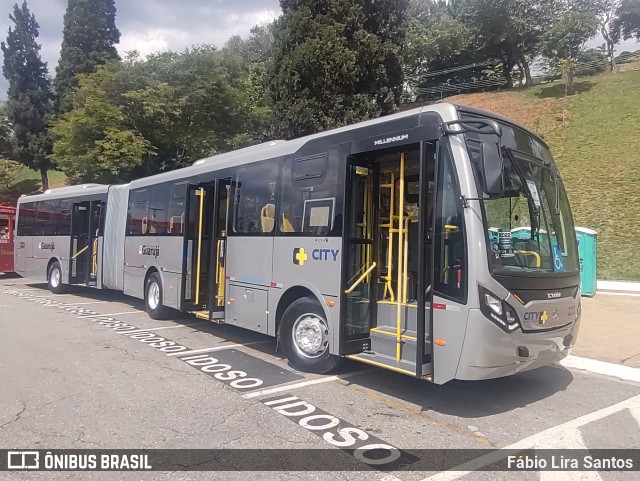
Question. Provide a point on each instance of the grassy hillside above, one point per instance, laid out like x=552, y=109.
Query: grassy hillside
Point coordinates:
x=27, y=181
x=595, y=135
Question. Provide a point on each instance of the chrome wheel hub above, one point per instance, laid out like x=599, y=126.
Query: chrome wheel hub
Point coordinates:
x=153, y=296
x=55, y=277
x=310, y=335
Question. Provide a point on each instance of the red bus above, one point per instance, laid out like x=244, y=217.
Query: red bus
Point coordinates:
x=7, y=224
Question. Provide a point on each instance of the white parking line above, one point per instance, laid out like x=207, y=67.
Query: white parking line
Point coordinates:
x=166, y=327
x=632, y=404
x=301, y=384
x=627, y=373
x=207, y=349
x=87, y=303
x=121, y=313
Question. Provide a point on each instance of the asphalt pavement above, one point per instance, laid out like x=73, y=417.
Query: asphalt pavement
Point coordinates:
x=90, y=369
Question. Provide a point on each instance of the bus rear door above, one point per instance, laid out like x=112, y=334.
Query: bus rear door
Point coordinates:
x=203, y=269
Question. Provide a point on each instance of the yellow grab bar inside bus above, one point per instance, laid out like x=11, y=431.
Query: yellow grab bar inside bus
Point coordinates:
x=94, y=270
x=361, y=278
x=199, y=193
x=80, y=252
x=530, y=253
x=401, y=264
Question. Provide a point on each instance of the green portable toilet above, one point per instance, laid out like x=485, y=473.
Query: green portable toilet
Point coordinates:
x=587, y=252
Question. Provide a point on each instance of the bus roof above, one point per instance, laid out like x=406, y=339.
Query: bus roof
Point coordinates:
x=65, y=192
x=272, y=149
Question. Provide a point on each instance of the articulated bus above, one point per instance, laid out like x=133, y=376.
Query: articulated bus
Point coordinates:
x=7, y=219
x=436, y=242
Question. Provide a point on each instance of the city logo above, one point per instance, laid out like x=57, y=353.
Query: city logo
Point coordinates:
x=46, y=246
x=540, y=316
x=299, y=256
x=553, y=295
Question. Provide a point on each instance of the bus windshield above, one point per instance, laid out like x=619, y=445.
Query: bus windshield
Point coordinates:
x=529, y=228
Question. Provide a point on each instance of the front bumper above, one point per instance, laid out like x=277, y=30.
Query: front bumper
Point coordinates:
x=489, y=352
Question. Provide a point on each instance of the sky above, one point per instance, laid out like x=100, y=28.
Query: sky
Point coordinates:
x=150, y=25
x=156, y=25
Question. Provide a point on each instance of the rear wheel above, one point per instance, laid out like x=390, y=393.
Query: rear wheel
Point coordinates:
x=54, y=279
x=304, y=334
x=153, y=298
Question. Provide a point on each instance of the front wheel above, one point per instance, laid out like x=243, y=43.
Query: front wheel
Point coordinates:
x=54, y=278
x=153, y=298
x=304, y=334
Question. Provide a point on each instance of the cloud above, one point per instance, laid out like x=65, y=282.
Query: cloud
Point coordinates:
x=151, y=25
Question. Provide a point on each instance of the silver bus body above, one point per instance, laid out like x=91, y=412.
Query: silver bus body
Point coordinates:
x=360, y=241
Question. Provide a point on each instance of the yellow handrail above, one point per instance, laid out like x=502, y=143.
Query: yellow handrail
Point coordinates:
x=80, y=252
x=199, y=193
x=361, y=278
x=530, y=253
x=401, y=235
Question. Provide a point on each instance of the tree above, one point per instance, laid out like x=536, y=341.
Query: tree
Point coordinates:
x=627, y=20
x=88, y=41
x=140, y=117
x=608, y=27
x=510, y=30
x=564, y=42
x=29, y=95
x=335, y=62
x=435, y=40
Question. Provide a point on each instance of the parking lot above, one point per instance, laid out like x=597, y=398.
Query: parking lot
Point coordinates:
x=90, y=369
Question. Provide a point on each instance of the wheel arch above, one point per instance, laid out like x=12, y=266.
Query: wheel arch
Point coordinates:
x=291, y=295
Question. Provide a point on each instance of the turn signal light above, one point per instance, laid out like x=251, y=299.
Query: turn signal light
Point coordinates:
x=440, y=342
x=232, y=299
x=330, y=303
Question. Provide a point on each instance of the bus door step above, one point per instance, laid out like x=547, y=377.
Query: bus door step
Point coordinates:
x=205, y=315
x=385, y=362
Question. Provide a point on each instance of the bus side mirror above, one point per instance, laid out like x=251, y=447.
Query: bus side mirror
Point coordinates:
x=492, y=172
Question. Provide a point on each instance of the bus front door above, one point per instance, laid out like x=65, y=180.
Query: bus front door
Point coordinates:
x=359, y=267
x=204, y=247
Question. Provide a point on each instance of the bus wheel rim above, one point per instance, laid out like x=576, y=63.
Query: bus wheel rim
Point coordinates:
x=310, y=335
x=55, y=277
x=153, y=295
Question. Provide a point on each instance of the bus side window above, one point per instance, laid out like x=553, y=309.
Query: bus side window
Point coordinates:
x=450, y=256
x=311, y=198
x=254, y=208
x=138, y=215
x=177, y=208
x=158, y=209
x=5, y=231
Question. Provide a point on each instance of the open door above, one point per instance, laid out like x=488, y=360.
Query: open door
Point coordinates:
x=360, y=273
x=80, y=254
x=203, y=269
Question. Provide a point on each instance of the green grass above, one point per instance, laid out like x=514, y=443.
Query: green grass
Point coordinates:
x=27, y=181
x=595, y=136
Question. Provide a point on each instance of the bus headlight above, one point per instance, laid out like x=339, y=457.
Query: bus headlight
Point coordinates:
x=493, y=303
x=495, y=309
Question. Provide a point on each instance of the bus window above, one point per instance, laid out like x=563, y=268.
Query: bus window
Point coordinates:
x=177, y=207
x=158, y=208
x=63, y=217
x=450, y=268
x=138, y=216
x=5, y=229
x=255, y=207
x=311, y=200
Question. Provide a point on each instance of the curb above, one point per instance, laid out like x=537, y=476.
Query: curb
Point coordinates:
x=618, y=286
x=619, y=371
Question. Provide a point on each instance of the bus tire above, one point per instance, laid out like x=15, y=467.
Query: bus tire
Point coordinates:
x=304, y=336
x=153, y=302
x=54, y=279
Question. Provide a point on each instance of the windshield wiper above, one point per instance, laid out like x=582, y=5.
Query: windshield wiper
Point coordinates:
x=534, y=210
